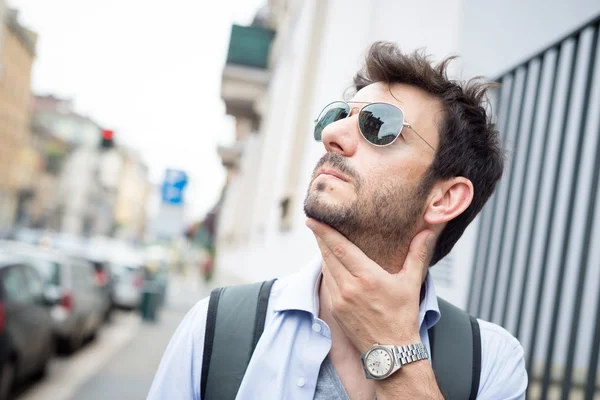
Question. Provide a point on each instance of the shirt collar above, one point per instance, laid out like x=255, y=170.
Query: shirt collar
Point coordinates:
x=301, y=292
x=429, y=310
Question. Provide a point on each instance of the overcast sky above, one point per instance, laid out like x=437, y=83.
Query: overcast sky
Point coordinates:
x=149, y=69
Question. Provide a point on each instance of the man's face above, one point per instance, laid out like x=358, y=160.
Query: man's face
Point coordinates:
x=377, y=198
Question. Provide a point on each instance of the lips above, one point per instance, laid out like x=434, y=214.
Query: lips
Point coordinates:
x=332, y=172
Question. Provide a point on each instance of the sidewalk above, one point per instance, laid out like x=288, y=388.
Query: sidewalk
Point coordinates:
x=129, y=374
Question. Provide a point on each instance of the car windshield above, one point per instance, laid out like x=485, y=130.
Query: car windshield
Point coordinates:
x=49, y=270
x=122, y=269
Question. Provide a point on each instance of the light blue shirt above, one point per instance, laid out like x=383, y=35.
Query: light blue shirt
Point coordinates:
x=287, y=359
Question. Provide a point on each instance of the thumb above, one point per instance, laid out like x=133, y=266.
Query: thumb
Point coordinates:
x=419, y=255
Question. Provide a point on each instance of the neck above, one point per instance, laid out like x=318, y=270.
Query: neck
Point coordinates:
x=384, y=251
x=338, y=337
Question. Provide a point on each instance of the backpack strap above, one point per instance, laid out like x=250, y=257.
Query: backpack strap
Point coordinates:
x=234, y=323
x=455, y=343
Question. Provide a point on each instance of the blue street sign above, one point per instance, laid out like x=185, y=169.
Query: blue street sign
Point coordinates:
x=173, y=186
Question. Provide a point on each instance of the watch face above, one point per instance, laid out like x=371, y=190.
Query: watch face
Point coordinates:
x=379, y=362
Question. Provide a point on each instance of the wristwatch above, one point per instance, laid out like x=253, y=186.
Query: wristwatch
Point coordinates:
x=381, y=361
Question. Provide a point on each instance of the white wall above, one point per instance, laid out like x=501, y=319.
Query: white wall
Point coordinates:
x=349, y=27
x=497, y=35
x=75, y=184
x=258, y=256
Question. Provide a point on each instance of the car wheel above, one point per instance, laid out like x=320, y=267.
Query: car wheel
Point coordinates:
x=7, y=379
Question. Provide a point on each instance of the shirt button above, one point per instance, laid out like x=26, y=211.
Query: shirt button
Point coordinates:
x=316, y=327
x=300, y=382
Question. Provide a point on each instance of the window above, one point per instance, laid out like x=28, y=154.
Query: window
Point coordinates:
x=82, y=274
x=33, y=281
x=15, y=289
x=49, y=270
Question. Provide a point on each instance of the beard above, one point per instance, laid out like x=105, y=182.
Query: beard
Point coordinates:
x=381, y=221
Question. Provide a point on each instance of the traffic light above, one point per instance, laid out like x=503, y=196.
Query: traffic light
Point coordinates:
x=107, y=139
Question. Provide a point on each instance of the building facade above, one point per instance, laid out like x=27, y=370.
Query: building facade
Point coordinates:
x=18, y=162
x=87, y=192
x=132, y=199
x=534, y=272
x=58, y=131
x=56, y=117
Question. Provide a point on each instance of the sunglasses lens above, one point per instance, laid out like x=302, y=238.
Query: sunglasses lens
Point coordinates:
x=381, y=123
x=331, y=113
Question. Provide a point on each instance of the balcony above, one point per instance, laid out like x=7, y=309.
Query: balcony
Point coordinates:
x=246, y=76
x=249, y=46
x=231, y=155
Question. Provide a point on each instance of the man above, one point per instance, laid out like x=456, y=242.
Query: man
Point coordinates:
x=410, y=161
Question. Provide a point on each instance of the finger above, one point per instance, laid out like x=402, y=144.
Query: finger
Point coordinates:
x=419, y=255
x=340, y=248
x=339, y=273
x=331, y=287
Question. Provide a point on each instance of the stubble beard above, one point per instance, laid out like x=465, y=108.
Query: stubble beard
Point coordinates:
x=381, y=221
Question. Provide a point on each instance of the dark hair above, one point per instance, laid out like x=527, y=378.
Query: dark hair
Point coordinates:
x=469, y=143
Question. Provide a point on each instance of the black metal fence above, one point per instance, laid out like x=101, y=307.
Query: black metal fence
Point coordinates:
x=537, y=261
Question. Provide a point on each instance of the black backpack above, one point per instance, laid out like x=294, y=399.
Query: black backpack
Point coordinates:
x=236, y=320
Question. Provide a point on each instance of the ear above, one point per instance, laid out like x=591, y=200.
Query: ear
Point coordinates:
x=448, y=199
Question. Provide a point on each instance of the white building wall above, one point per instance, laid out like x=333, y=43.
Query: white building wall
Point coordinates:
x=496, y=35
x=345, y=28
x=253, y=259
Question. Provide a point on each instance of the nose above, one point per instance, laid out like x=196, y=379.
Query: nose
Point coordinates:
x=342, y=136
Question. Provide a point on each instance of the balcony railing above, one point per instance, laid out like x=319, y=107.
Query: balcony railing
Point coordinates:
x=249, y=46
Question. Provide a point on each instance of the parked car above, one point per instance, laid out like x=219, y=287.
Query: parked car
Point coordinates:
x=125, y=269
x=26, y=335
x=104, y=281
x=128, y=281
x=82, y=250
x=77, y=304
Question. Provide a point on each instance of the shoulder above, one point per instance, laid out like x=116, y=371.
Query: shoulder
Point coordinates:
x=497, y=335
x=191, y=330
x=195, y=319
x=179, y=372
x=193, y=324
x=503, y=373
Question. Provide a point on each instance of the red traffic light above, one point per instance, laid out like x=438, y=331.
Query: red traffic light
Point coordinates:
x=107, y=134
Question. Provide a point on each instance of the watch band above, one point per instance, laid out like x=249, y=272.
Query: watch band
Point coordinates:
x=411, y=353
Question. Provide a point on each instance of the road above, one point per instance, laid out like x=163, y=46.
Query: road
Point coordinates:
x=121, y=362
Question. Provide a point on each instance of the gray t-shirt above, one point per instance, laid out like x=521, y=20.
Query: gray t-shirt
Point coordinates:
x=329, y=385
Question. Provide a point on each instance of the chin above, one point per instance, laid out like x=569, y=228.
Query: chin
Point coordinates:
x=327, y=210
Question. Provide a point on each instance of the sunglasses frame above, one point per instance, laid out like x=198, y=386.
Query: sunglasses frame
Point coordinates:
x=365, y=103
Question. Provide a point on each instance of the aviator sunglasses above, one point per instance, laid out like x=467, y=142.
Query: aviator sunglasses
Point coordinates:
x=379, y=123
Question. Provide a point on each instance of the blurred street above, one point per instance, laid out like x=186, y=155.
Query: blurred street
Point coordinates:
x=150, y=151
x=120, y=363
